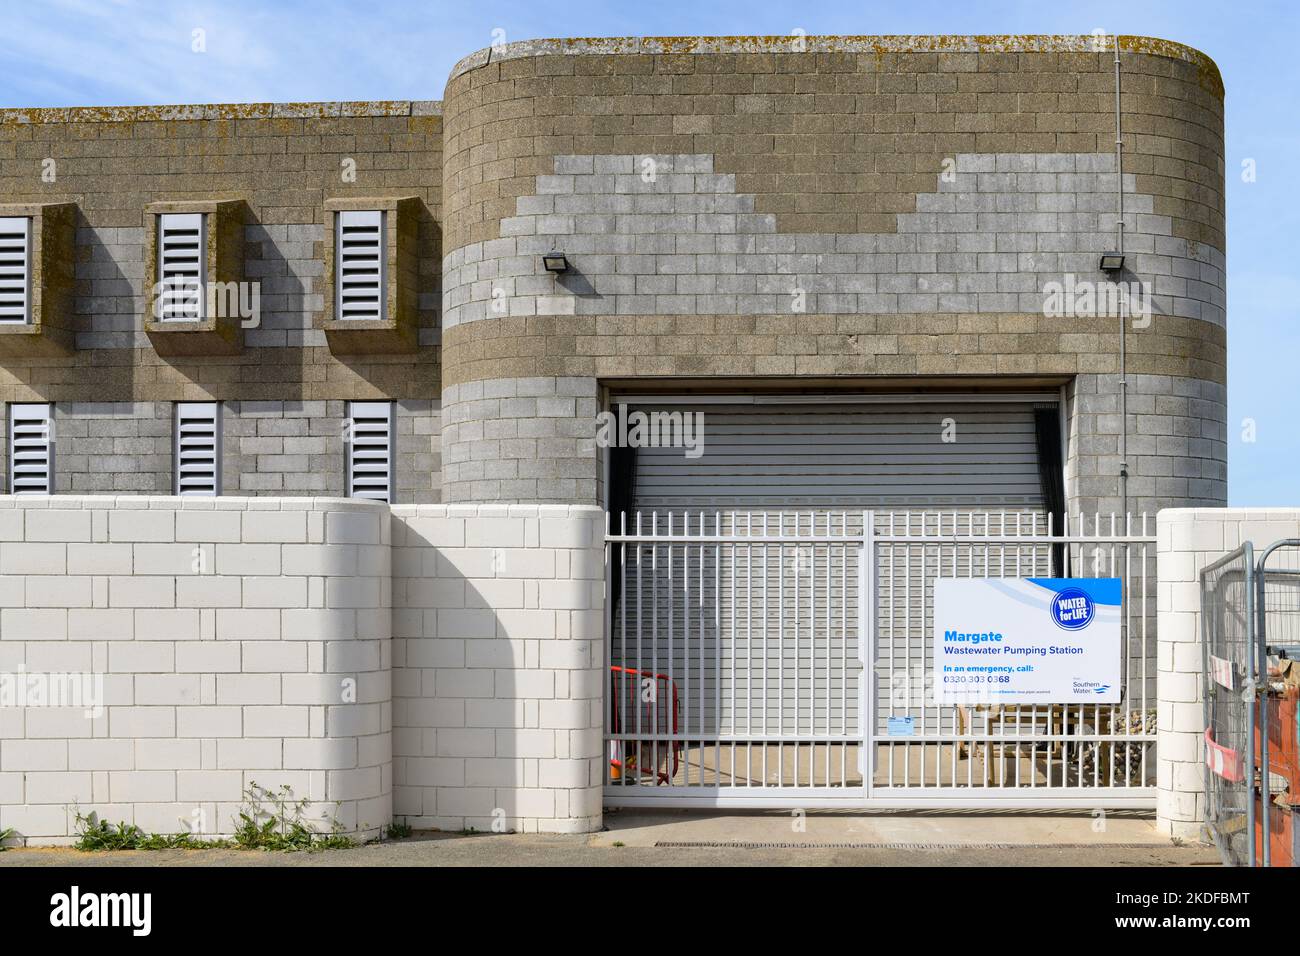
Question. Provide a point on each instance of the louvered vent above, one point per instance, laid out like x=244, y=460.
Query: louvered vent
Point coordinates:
x=370, y=450
x=31, y=449
x=359, y=284
x=182, y=266
x=15, y=269
x=198, y=448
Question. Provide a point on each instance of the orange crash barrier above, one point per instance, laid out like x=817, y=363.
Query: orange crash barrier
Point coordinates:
x=643, y=703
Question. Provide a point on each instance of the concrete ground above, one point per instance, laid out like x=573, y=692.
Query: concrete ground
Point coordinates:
x=703, y=838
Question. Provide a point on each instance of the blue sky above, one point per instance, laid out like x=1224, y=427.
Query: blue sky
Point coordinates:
x=77, y=53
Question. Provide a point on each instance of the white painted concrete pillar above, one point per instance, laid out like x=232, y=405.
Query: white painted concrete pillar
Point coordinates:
x=499, y=666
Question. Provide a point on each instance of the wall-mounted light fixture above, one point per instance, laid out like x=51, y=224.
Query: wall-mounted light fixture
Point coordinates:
x=1112, y=261
x=555, y=262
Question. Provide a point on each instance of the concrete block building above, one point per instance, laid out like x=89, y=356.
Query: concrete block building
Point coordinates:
x=882, y=215
x=872, y=266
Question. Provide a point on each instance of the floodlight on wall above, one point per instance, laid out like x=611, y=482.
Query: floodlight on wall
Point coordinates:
x=555, y=262
x=1112, y=261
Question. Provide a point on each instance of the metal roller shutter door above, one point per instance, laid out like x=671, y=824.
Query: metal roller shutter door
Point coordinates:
x=771, y=462
x=883, y=456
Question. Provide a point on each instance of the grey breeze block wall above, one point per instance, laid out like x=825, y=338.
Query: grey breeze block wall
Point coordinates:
x=286, y=262
x=667, y=235
x=682, y=242
x=773, y=170
x=297, y=448
x=1177, y=443
x=526, y=439
x=917, y=193
x=284, y=161
x=270, y=448
x=113, y=447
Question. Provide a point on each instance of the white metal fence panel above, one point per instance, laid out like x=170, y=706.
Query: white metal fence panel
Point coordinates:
x=740, y=645
x=1067, y=754
x=735, y=655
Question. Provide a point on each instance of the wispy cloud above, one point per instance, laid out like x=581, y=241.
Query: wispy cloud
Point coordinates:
x=79, y=52
x=70, y=52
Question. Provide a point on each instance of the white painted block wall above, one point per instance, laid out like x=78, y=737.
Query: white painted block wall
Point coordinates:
x=498, y=665
x=438, y=663
x=1189, y=539
x=240, y=640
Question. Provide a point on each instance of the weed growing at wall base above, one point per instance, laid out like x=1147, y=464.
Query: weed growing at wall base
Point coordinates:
x=94, y=834
x=267, y=820
x=282, y=826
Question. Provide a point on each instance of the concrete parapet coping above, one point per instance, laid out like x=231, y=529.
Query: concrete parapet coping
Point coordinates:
x=220, y=111
x=881, y=45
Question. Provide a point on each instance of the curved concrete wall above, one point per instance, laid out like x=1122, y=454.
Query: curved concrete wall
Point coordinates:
x=235, y=640
x=867, y=208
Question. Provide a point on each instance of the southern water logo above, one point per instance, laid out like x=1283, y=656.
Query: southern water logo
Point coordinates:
x=1072, y=609
x=1086, y=687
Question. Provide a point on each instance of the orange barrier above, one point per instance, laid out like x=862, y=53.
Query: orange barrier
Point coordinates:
x=658, y=715
x=1283, y=832
x=1283, y=740
x=1223, y=761
x=1283, y=765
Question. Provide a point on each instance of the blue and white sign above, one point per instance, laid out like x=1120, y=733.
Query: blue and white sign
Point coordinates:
x=1027, y=640
x=901, y=727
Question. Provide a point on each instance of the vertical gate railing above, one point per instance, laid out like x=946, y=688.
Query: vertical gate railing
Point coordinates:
x=1062, y=754
x=756, y=659
x=734, y=658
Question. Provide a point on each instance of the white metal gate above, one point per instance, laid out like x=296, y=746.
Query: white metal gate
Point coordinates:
x=756, y=660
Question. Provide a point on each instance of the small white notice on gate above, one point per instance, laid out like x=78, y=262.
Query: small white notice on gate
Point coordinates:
x=1027, y=640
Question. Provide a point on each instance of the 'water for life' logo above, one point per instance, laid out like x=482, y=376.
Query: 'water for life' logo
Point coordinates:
x=1072, y=609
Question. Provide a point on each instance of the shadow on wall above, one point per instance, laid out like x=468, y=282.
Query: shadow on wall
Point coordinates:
x=497, y=670
x=391, y=373
x=577, y=284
